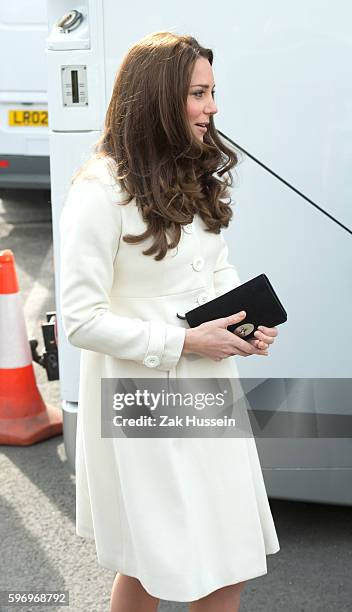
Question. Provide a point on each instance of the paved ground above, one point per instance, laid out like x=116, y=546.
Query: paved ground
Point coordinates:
x=39, y=548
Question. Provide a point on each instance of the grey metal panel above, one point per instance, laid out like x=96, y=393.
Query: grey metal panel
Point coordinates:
x=305, y=453
x=26, y=172
x=69, y=414
x=329, y=486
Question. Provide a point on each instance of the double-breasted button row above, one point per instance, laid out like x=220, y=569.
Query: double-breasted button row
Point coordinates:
x=152, y=361
x=197, y=263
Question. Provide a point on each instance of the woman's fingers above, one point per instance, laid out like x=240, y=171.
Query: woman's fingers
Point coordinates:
x=263, y=337
x=269, y=331
x=243, y=346
x=259, y=344
x=249, y=347
x=253, y=346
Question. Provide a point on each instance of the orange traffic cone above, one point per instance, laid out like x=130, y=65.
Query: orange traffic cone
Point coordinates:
x=24, y=418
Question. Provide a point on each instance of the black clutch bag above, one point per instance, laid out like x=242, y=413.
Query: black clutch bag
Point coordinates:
x=257, y=297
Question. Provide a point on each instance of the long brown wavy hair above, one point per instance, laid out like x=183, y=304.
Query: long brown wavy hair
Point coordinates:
x=155, y=156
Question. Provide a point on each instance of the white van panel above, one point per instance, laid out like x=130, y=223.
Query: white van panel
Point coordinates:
x=23, y=86
x=23, y=30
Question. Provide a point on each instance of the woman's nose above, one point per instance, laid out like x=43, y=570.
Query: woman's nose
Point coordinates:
x=211, y=108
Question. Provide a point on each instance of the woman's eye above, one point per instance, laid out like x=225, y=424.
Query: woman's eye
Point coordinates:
x=200, y=93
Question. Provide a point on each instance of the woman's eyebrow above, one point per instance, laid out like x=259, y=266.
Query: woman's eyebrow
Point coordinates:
x=202, y=85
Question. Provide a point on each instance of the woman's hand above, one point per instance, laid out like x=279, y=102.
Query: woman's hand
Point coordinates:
x=212, y=339
x=263, y=337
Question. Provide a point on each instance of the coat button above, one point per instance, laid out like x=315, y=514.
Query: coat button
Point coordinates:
x=151, y=361
x=202, y=298
x=188, y=228
x=198, y=263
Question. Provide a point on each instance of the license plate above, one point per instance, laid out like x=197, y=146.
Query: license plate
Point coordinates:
x=28, y=118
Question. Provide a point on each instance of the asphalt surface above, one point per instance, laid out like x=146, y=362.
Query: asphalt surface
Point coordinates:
x=39, y=548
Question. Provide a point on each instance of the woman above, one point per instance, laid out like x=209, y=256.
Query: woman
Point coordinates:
x=178, y=519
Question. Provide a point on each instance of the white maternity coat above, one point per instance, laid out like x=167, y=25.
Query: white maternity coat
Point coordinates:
x=185, y=516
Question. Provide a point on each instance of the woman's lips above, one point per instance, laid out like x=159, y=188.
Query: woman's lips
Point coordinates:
x=203, y=129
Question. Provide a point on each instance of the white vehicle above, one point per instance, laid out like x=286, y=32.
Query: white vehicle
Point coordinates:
x=278, y=100
x=24, y=132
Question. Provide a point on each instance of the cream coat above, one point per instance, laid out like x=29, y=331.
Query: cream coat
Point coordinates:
x=185, y=516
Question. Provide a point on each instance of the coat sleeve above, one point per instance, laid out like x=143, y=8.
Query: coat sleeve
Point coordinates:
x=90, y=229
x=225, y=274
